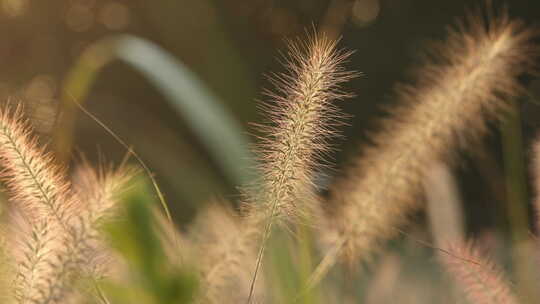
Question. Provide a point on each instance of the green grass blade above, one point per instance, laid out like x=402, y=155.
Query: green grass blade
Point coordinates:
x=202, y=110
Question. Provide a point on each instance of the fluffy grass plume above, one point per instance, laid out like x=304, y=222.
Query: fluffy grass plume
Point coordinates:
x=100, y=188
x=36, y=185
x=40, y=191
x=52, y=225
x=98, y=191
x=479, y=278
x=32, y=252
x=464, y=82
x=225, y=250
x=302, y=117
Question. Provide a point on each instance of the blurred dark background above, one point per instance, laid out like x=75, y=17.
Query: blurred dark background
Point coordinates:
x=231, y=45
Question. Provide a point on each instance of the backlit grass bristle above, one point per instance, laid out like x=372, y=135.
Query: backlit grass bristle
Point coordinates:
x=39, y=189
x=226, y=251
x=464, y=82
x=32, y=249
x=476, y=276
x=35, y=183
x=302, y=117
x=99, y=190
x=54, y=224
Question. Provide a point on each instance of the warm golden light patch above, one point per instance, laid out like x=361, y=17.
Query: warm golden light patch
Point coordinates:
x=365, y=11
x=14, y=8
x=79, y=17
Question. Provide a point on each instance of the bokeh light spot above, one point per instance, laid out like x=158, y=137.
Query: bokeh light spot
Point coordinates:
x=41, y=87
x=364, y=12
x=79, y=17
x=14, y=8
x=39, y=94
x=114, y=16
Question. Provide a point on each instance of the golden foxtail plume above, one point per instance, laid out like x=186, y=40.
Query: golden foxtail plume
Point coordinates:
x=35, y=183
x=464, y=82
x=99, y=190
x=477, y=276
x=56, y=234
x=303, y=117
x=32, y=253
x=41, y=192
x=225, y=245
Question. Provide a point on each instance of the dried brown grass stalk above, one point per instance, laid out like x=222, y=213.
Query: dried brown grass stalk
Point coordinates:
x=536, y=175
x=477, y=276
x=464, y=82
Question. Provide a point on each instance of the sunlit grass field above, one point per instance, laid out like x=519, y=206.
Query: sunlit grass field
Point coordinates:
x=435, y=199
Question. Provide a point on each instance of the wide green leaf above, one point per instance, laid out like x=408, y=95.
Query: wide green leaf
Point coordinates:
x=194, y=102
